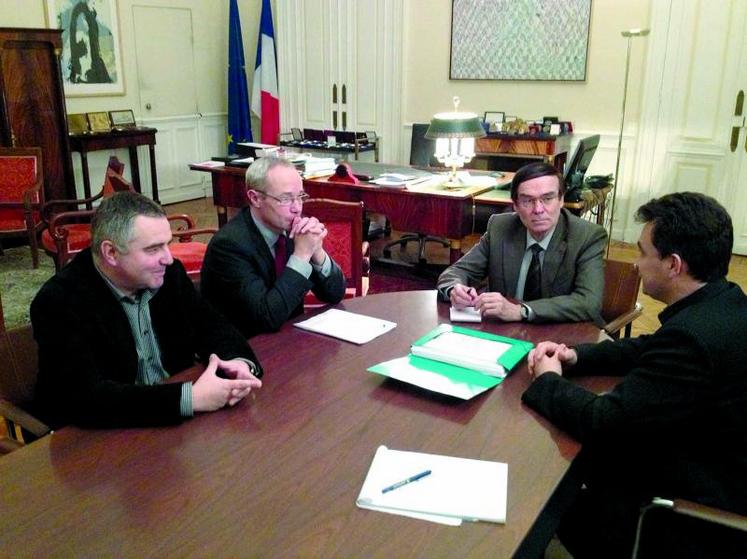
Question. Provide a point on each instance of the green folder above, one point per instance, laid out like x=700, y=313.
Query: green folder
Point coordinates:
x=448, y=378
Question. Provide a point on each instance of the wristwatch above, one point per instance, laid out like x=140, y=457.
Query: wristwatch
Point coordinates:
x=524, y=312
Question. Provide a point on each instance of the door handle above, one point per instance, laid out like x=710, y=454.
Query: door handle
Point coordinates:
x=334, y=93
x=736, y=125
x=334, y=120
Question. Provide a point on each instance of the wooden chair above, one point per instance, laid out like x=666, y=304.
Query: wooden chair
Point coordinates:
x=344, y=243
x=190, y=252
x=685, y=529
x=68, y=226
x=18, y=372
x=620, y=305
x=22, y=196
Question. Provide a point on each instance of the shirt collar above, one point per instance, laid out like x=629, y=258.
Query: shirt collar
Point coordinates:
x=706, y=292
x=544, y=243
x=144, y=294
x=268, y=234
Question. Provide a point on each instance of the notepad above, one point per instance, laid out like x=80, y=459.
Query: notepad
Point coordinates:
x=456, y=489
x=467, y=314
x=348, y=326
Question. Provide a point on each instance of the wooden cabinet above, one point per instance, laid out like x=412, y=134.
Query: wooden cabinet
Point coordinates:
x=340, y=66
x=32, y=103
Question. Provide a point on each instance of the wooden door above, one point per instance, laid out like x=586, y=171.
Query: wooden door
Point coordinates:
x=32, y=103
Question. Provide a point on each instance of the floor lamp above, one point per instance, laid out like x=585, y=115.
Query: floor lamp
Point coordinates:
x=629, y=34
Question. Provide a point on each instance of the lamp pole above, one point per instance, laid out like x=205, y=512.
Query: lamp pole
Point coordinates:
x=629, y=34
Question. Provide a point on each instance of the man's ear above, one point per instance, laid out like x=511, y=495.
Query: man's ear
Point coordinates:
x=109, y=253
x=254, y=198
x=677, y=266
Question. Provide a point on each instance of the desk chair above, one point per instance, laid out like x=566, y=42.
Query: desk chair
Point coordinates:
x=68, y=226
x=620, y=306
x=685, y=529
x=21, y=196
x=344, y=243
x=18, y=372
x=421, y=155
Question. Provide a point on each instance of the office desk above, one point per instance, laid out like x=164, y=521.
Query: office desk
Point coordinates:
x=278, y=475
x=128, y=138
x=428, y=210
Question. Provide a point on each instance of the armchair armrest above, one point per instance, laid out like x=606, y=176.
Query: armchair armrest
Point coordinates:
x=623, y=320
x=17, y=416
x=48, y=207
x=185, y=235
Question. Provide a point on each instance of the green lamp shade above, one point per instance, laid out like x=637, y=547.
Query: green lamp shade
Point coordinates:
x=455, y=125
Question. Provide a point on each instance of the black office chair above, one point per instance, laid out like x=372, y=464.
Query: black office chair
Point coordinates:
x=421, y=155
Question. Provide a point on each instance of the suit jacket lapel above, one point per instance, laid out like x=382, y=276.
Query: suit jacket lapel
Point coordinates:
x=514, y=245
x=555, y=254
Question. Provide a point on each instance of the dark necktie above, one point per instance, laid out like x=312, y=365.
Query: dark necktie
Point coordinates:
x=281, y=256
x=533, y=283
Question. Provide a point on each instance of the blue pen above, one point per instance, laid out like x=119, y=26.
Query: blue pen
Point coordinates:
x=399, y=484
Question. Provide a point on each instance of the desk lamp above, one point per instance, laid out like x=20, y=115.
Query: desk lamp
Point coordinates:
x=455, y=134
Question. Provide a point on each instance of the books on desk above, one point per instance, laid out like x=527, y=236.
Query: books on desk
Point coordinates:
x=456, y=361
x=348, y=326
x=433, y=487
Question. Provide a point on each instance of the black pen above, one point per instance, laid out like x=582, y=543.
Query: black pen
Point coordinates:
x=399, y=484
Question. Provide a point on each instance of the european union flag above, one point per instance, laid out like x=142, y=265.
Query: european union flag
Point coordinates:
x=239, y=124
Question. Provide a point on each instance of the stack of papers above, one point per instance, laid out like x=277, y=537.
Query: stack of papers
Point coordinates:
x=444, y=489
x=348, y=326
x=318, y=167
x=399, y=180
x=456, y=361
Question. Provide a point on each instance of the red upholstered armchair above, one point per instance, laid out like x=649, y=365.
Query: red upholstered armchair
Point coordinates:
x=190, y=252
x=21, y=196
x=344, y=243
x=68, y=227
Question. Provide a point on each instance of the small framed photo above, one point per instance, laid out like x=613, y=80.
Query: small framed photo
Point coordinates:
x=494, y=116
x=77, y=123
x=122, y=119
x=99, y=122
x=371, y=135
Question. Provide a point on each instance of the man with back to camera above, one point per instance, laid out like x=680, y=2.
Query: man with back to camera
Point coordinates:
x=260, y=265
x=545, y=258
x=121, y=318
x=676, y=426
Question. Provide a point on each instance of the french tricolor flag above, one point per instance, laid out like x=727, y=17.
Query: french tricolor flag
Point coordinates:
x=265, y=102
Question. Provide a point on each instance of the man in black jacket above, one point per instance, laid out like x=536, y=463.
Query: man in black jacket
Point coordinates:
x=676, y=426
x=121, y=318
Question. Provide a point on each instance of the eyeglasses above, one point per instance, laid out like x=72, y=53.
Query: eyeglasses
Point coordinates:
x=287, y=199
x=545, y=200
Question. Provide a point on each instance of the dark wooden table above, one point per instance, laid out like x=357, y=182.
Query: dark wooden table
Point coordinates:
x=128, y=138
x=431, y=210
x=278, y=475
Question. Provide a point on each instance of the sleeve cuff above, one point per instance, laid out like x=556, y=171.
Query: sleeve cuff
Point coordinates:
x=325, y=269
x=185, y=406
x=303, y=268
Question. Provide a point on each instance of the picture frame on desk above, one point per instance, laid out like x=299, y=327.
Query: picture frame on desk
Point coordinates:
x=98, y=122
x=122, y=119
x=77, y=123
x=494, y=116
x=86, y=30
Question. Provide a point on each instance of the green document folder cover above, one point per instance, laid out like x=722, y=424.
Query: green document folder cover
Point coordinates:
x=448, y=378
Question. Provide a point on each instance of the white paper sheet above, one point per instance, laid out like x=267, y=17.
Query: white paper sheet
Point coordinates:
x=467, y=314
x=348, y=326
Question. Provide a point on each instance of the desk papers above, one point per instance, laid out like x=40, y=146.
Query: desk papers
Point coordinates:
x=456, y=489
x=467, y=314
x=348, y=326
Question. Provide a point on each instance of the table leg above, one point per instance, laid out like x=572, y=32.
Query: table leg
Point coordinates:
x=222, y=217
x=153, y=175
x=135, y=168
x=86, y=178
x=455, y=250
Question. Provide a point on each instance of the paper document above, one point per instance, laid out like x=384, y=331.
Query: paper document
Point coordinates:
x=211, y=164
x=456, y=489
x=467, y=314
x=352, y=327
x=488, y=353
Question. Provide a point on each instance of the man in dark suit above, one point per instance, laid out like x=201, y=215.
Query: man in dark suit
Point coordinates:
x=260, y=265
x=121, y=318
x=676, y=426
x=546, y=259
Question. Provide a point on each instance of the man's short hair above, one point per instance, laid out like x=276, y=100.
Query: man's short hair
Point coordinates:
x=694, y=226
x=533, y=171
x=114, y=219
x=256, y=174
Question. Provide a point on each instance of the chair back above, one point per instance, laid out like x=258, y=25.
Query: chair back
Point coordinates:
x=344, y=240
x=20, y=171
x=422, y=148
x=621, y=284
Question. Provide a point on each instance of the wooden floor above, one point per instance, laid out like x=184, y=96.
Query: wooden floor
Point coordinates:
x=202, y=210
